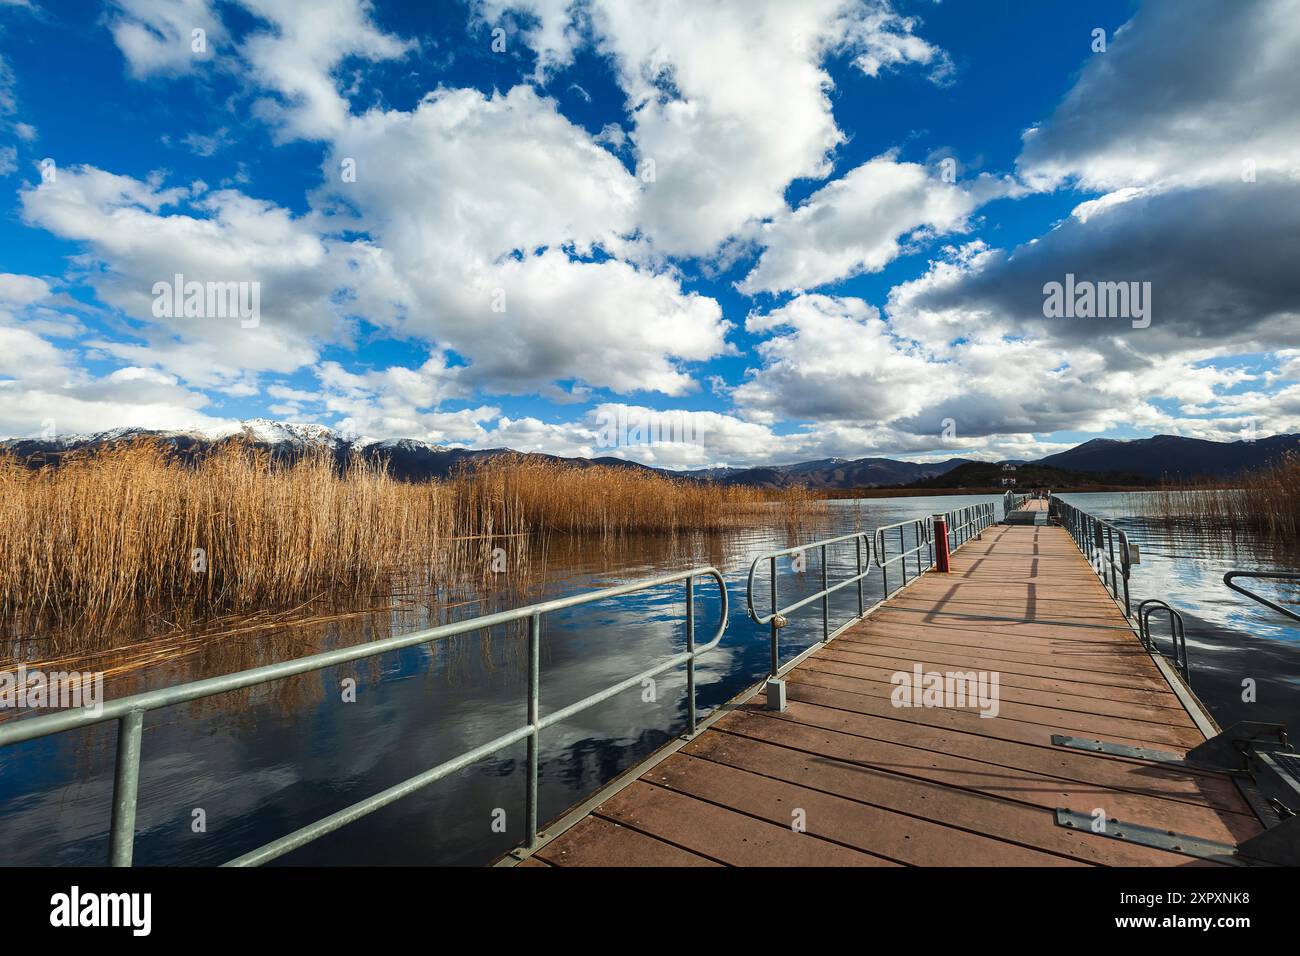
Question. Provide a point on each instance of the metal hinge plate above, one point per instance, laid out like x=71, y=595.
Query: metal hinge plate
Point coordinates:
x=1117, y=750
x=1152, y=837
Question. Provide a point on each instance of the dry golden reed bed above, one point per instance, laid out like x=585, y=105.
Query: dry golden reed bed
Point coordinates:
x=133, y=530
x=1266, y=501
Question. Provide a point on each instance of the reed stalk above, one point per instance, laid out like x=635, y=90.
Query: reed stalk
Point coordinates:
x=134, y=530
x=1265, y=502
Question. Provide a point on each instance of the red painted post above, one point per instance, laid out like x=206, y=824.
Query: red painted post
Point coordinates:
x=941, y=543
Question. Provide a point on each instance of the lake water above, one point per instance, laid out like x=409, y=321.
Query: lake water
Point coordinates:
x=1230, y=638
x=261, y=763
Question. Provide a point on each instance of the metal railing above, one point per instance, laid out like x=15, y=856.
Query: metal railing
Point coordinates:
x=1177, y=635
x=969, y=522
x=1232, y=576
x=922, y=534
x=1107, y=547
x=130, y=712
x=963, y=524
x=1012, y=501
x=1103, y=544
x=776, y=617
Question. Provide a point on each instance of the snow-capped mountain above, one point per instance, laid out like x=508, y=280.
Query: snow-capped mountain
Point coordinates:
x=263, y=431
x=409, y=459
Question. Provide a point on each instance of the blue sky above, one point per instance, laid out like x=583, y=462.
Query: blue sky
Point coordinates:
x=776, y=231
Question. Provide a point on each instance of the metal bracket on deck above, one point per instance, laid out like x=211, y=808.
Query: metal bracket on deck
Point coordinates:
x=1150, y=836
x=1119, y=750
x=1226, y=752
x=775, y=694
x=1269, y=778
x=1279, y=845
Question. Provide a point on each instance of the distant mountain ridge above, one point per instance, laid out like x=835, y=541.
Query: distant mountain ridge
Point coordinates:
x=842, y=473
x=1173, y=456
x=411, y=459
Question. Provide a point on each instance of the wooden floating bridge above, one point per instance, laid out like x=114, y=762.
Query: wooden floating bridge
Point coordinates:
x=844, y=777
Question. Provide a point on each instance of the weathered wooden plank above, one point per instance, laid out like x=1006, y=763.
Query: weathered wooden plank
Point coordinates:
x=596, y=842
x=1006, y=745
x=1106, y=668
x=1059, y=721
x=880, y=681
x=722, y=834
x=896, y=836
x=1028, y=677
x=970, y=810
x=1010, y=782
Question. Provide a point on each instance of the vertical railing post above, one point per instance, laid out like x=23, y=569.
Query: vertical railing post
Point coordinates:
x=126, y=789
x=862, y=604
x=902, y=549
x=1125, y=565
x=534, y=668
x=690, y=648
x=774, y=665
x=826, y=602
x=880, y=559
x=1110, y=554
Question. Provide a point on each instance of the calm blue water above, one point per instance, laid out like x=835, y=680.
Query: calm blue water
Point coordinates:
x=261, y=764
x=1229, y=637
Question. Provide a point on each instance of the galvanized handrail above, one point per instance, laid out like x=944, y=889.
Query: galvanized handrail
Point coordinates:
x=964, y=523
x=776, y=617
x=129, y=713
x=1177, y=634
x=1012, y=501
x=923, y=529
x=1266, y=575
x=1099, y=541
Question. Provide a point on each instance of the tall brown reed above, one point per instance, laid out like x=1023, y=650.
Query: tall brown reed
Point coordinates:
x=133, y=530
x=603, y=500
x=1266, y=501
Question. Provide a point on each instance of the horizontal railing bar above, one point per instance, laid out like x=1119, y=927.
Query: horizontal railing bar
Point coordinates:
x=30, y=728
x=924, y=537
x=1231, y=576
x=341, y=818
x=796, y=549
x=800, y=549
x=132, y=709
x=812, y=597
x=313, y=831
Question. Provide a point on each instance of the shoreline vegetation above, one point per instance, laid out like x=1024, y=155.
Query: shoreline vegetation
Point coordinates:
x=1265, y=502
x=134, y=532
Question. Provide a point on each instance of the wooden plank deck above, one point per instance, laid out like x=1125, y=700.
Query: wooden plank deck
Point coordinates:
x=879, y=785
